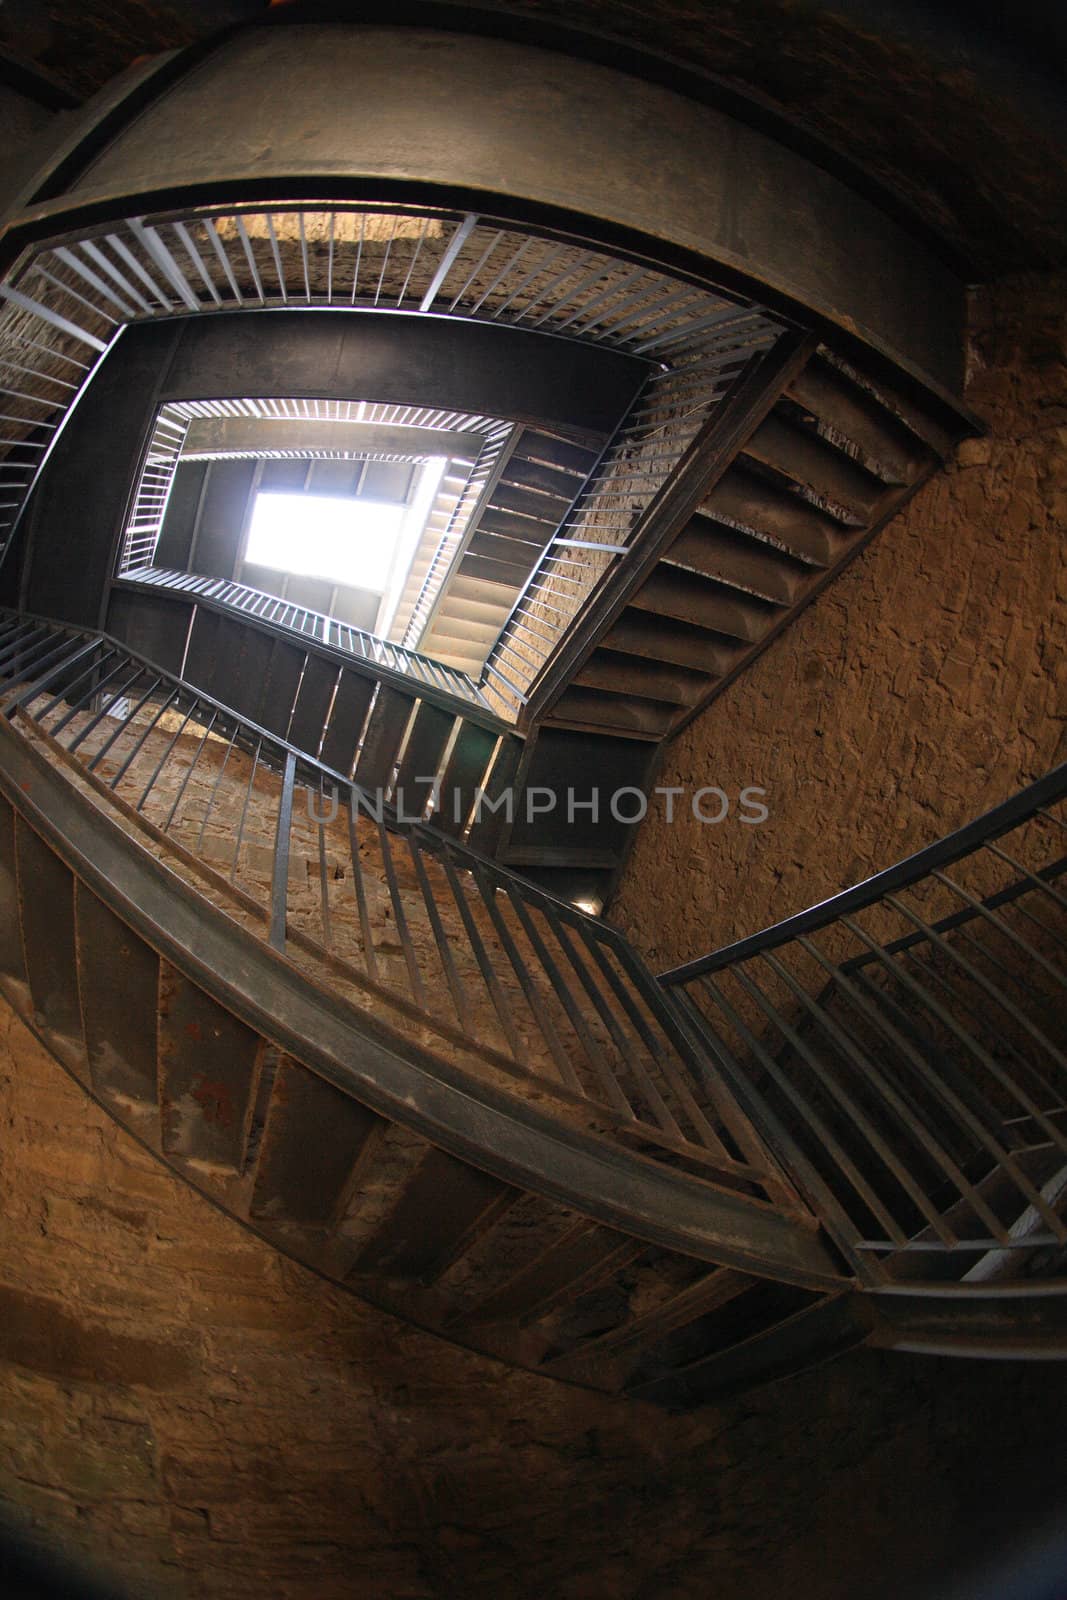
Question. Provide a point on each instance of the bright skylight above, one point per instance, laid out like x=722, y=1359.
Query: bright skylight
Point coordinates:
x=342, y=539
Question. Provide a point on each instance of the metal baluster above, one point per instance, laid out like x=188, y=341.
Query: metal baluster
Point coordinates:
x=279, y=893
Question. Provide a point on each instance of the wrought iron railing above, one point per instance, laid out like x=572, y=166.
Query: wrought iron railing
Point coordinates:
x=903, y=1047
x=420, y=927
x=66, y=298
x=310, y=624
x=600, y=526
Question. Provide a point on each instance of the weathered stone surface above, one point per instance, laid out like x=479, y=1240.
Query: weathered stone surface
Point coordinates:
x=925, y=686
x=310, y=1448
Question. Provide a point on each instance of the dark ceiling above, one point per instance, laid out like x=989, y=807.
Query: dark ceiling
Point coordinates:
x=955, y=113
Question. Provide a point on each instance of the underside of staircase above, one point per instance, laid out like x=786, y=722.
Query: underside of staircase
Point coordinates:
x=271, y=887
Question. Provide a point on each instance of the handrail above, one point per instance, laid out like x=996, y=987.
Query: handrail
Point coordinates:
x=325, y=869
x=901, y=1047
x=73, y=293
x=942, y=853
x=355, y=645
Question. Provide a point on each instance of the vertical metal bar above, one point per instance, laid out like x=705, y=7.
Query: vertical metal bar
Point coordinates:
x=837, y=1091
x=1003, y=927
x=37, y=309
x=654, y=1044
x=484, y=960
x=972, y=1045
x=360, y=890
x=94, y=722
x=107, y=744
x=578, y=1022
x=985, y=984
x=418, y=989
x=754, y=1105
x=905, y=1112
x=641, y=1078
x=444, y=266
x=164, y=757
x=535, y=999
x=452, y=977
x=277, y=258
x=250, y=257
x=197, y=260
x=214, y=791
x=359, y=256
x=163, y=260
x=244, y=810
x=324, y=884
x=171, y=814
x=165, y=705
x=279, y=892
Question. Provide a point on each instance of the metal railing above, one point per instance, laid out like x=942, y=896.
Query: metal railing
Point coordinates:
x=903, y=1048
x=455, y=945
x=309, y=624
x=599, y=527
x=66, y=298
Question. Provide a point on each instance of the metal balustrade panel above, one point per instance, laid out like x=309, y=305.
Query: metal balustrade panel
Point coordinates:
x=67, y=298
x=324, y=869
x=904, y=1048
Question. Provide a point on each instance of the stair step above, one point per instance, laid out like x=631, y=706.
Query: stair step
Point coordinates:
x=582, y=1258
x=119, y=983
x=46, y=908
x=505, y=547
x=535, y=445
x=529, y=530
x=471, y=665
x=452, y=623
x=667, y=640
x=528, y=474
x=315, y=1140
x=776, y=515
x=478, y=597
x=807, y=459
x=208, y=1071
x=724, y=553
x=546, y=507
x=445, y=1206
x=707, y=604
x=495, y=569
x=728, y=1322
x=850, y=410
x=715, y=1289
x=1001, y=1194
x=648, y=680
x=597, y=708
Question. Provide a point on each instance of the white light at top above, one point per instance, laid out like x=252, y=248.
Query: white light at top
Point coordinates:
x=342, y=539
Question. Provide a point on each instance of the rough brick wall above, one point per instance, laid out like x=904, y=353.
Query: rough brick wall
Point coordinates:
x=209, y=1420
x=926, y=685
x=206, y=1419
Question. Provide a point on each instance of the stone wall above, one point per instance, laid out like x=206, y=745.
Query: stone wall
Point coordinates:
x=925, y=686
x=202, y=1418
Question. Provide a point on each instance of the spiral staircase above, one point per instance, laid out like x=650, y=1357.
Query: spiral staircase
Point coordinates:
x=390, y=1032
